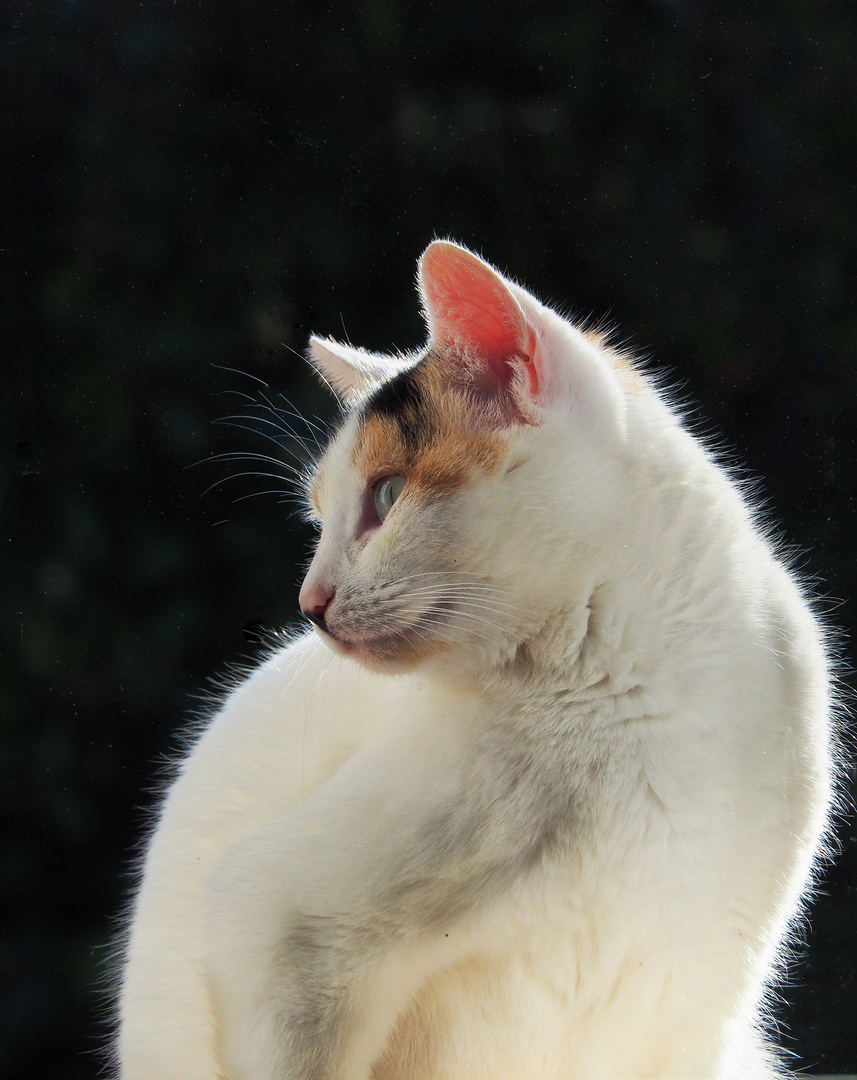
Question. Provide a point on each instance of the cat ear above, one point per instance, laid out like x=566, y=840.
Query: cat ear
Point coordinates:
x=349, y=371
x=472, y=313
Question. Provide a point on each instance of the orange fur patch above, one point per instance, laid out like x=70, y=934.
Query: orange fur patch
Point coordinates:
x=451, y=449
x=415, y=1041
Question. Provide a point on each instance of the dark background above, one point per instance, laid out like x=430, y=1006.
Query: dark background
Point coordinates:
x=193, y=187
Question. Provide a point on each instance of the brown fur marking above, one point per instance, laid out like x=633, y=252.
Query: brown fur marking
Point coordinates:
x=415, y=1042
x=451, y=448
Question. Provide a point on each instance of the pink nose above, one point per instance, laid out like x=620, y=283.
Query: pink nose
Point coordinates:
x=314, y=601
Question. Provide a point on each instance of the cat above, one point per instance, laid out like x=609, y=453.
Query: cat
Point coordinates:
x=540, y=792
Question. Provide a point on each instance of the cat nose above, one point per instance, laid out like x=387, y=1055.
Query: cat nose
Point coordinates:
x=314, y=601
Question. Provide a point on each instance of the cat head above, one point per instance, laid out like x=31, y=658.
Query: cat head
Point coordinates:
x=471, y=488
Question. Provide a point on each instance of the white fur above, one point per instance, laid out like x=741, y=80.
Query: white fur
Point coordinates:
x=631, y=641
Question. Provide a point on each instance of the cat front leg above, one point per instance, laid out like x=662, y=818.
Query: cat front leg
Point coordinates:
x=317, y=1003
x=302, y=923
x=325, y=923
x=279, y=736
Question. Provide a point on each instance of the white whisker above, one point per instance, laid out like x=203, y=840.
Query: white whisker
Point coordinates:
x=241, y=475
x=286, y=434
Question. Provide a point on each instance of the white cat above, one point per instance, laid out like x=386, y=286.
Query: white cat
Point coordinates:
x=541, y=795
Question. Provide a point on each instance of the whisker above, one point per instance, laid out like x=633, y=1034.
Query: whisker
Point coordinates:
x=281, y=425
x=287, y=433
x=456, y=588
x=469, y=616
x=262, y=403
x=253, y=455
x=285, y=497
x=471, y=609
x=244, y=374
x=472, y=599
x=434, y=573
x=241, y=475
x=280, y=441
x=323, y=428
x=471, y=629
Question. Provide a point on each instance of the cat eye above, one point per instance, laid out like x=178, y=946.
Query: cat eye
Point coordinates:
x=385, y=493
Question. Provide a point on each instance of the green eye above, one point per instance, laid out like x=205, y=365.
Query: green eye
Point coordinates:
x=386, y=491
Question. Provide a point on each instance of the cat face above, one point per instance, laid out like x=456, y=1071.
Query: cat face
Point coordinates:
x=464, y=479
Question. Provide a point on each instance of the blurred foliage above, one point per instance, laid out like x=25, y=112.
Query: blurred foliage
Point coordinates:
x=189, y=188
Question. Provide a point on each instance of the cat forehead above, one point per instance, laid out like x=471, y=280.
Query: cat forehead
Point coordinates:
x=421, y=426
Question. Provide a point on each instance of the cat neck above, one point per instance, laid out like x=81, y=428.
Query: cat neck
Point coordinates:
x=612, y=639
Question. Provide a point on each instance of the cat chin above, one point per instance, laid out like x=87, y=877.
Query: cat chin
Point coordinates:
x=386, y=655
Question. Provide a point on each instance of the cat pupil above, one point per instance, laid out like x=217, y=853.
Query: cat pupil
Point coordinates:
x=386, y=493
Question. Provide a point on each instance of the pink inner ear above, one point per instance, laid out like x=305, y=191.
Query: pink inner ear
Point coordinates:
x=469, y=305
